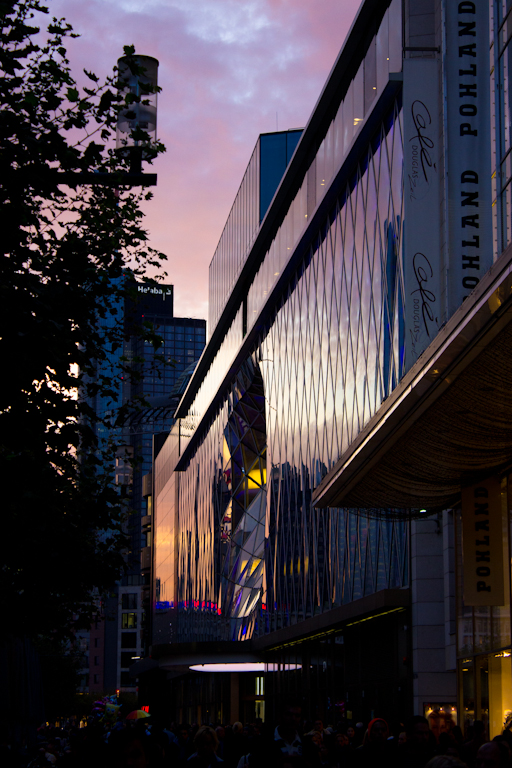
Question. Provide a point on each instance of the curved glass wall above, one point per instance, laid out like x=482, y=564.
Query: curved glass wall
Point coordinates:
x=244, y=473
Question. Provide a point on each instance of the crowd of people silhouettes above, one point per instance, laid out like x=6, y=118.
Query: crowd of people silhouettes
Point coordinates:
x=433, y=742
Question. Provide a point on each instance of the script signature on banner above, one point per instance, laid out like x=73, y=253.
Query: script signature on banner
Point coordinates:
x=424, y=301
x=422, y=162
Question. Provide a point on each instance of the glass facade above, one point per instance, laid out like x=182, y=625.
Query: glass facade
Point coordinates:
x=239, y=549
x=266, y=168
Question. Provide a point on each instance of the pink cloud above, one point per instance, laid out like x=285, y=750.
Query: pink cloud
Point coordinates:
x=226, y=68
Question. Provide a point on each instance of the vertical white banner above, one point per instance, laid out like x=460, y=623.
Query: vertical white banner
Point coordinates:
x=422, y=267
x=468, y=147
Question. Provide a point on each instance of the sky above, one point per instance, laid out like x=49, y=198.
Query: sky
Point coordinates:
x=229, y=70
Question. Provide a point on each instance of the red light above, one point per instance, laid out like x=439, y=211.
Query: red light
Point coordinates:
x=145, y=709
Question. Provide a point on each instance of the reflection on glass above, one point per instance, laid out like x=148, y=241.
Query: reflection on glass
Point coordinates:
x=370, y=76
x=244, y=470
x=467, y=678
x=358, y=89
x=348, y=119
x=382, y=43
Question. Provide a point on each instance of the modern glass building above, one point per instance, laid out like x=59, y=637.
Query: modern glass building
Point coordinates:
x=306, y=497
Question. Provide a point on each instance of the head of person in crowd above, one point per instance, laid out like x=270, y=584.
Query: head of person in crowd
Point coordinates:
x=505, y=745
x=437, y=723
x=130, y=749
x=378, y=732
x=221, y=732
x=493, y=754
x=350, y=732
x=316, y=738
x=341, y=740
x=418, y=734
x=478, y=731
x=206, y=742
x=456, y=733
x=291, y=721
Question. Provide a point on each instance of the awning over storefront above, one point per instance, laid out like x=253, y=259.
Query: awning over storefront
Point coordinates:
x=180, y=657
x=449, y=421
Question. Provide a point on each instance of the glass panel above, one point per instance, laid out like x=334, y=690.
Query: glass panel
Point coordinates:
x=370, y=76
x=237, y=237
x=358, y=85
x=467, y=678
x=382, y=43
x=338, y=138
x=329, y=153
x=320, y=172
x=348, y=119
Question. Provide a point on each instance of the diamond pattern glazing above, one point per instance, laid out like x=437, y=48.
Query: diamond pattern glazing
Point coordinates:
x=331, y=351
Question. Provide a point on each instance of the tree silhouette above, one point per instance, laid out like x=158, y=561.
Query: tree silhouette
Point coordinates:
x=66, y=251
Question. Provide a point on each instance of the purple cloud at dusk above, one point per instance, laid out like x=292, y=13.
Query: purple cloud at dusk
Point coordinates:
x=229, y=70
